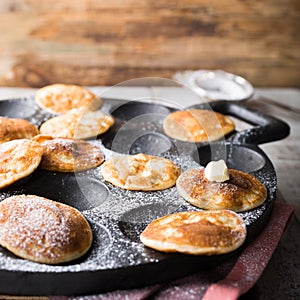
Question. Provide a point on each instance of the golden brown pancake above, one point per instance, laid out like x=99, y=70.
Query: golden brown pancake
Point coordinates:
x=197, y=125
x=77, y=124
x=198, y=233
x=65, y=155
x=12, y=129
x=140, y=172
x=18, y=159
x=240, y=193
x=61, y=98
x=43, y=230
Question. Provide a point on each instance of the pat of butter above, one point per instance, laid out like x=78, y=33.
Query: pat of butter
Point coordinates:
x=216, y=171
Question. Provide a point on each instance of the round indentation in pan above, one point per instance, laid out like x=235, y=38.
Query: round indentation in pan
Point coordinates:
x=101, y=241
x=139, y=132
x=79, y=191
x=152, y=143
x=134, y=124
x=237, y=157
x=100, y=246
x=244, y=159
x=133, y=222
x=17, y=108
x=133, y=109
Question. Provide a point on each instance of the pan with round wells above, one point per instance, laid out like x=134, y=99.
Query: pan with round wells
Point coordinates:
x=117, y=259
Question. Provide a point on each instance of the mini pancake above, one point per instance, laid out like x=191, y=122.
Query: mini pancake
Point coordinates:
x=241, y=192
x=197, y=125
x=42, y=230
x=12, y=129
x=198, y=233
x=140, y=172
x=77, y=124
x=18, y=159
x=61, y=98
x=65, y=155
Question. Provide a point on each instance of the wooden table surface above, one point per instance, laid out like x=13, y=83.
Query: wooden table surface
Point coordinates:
x=281, y=278
x=106, y=42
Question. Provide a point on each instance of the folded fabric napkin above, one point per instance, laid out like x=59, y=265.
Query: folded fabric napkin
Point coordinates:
x=226, y=281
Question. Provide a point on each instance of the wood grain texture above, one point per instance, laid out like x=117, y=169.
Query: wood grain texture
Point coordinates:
x=93, y=42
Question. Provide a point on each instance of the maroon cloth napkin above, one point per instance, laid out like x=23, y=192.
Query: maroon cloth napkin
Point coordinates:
x=226, y=281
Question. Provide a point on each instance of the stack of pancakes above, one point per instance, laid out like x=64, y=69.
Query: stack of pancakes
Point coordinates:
x=45, y=231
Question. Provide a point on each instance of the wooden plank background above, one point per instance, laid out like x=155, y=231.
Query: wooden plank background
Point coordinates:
x=92, y=42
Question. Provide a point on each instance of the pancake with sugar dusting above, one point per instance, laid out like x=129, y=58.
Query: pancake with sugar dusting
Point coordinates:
x=140, y=172
x=18, y=159
x=241, y=192
x=77, y=124
x=197, y=125
x=42, y=230
x=12, y=129
x=61, y=98
x=65, y=155
x=198, y=233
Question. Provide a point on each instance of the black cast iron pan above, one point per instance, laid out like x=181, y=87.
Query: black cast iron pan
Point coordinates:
x=117, y=259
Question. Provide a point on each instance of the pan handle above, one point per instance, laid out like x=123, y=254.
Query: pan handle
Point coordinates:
x=266, y=128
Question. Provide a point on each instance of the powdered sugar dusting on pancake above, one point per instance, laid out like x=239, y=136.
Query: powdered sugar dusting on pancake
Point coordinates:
x=42, y=230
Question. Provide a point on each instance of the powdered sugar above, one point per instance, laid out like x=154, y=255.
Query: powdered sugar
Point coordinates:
x=118, y=220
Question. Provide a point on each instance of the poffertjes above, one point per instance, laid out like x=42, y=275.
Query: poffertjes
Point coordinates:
x=196, y=232
x=42, y=230
x=240, y=193
x=18, y=159
x=66, y=155
x=77, y=124
x=61, y=98
x=140, y=172
x=197, y=125
x=12, y=129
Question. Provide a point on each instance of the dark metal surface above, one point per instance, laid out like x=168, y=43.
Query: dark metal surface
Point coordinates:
x=117, y=259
